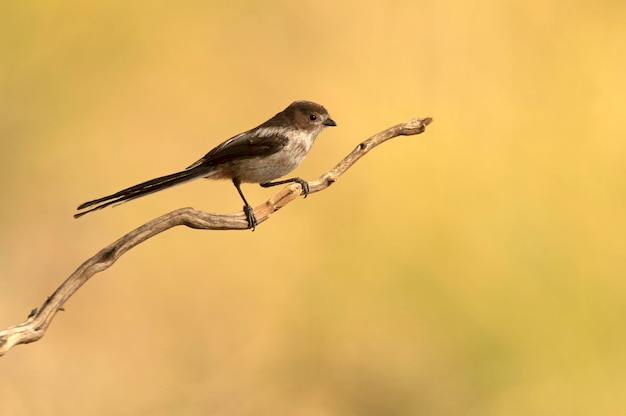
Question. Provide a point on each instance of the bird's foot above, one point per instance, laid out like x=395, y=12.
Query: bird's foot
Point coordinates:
x=249, y=211
x=304, y=184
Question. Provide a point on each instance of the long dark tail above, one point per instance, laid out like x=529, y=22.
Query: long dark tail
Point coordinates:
x=145, y=188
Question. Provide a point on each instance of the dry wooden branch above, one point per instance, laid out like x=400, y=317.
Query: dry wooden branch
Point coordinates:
x=39, y=319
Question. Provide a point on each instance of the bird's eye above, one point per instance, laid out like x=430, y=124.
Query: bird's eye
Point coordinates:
x=313, y=117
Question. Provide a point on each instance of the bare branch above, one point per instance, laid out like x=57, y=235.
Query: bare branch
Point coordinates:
x=39, y=319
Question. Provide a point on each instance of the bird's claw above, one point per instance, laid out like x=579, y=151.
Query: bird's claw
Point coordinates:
x=305, y=186
x=249, y=211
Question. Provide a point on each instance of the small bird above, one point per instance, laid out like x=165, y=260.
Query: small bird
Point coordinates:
x=260, y=155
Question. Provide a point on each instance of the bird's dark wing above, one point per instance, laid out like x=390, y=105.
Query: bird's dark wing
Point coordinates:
x=254, y=143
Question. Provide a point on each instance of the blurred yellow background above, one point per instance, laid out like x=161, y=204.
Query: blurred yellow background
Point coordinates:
x=477, y=269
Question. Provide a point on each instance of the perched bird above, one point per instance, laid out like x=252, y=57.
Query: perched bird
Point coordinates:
x=260, y=155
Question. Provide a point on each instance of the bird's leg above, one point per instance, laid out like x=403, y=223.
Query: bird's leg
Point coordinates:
x=247, y=209
x=304, y=184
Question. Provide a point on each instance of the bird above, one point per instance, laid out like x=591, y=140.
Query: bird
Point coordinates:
x=260, y=155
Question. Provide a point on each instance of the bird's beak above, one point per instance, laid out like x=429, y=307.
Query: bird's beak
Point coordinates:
x=330, y=122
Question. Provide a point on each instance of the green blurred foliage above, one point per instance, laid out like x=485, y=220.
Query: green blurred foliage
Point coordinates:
x=477, y=269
